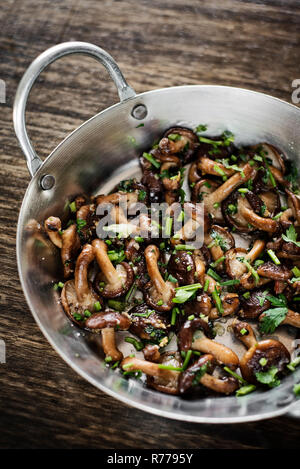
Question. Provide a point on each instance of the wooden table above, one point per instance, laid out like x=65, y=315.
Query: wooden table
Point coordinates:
x=252, y=44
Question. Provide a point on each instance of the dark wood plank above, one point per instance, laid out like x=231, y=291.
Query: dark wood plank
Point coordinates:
x=252, y=44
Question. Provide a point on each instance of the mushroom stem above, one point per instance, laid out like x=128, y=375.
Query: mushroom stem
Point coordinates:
x=223, y=386
x=208, y=166
x=200, y=269
x=53, y=228
x=221, y=353
x=244, y=332
x=105, y=263
x=261, y=223
x=109, y=344
x=162, y=287
x=225, y=189
x=82, y=287
x=149, y=368
x=255, y=252
x=70, y=244
x=292, y=318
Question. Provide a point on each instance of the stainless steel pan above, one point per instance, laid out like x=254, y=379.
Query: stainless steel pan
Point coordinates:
x=95, y=156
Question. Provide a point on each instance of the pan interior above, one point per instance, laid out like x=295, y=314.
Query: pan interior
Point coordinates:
x=93, y=159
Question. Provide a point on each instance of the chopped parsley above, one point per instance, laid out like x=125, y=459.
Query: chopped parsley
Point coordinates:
x=291, y=236
x=268, y=377
x=272, y=318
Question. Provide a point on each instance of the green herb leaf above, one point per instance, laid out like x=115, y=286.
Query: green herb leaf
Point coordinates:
x=291, y=236
x=268, y=377
x=272, y=318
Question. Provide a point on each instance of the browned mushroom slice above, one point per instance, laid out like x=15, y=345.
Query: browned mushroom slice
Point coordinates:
x=181, y=266
x=260, y=356
x=163, y=380
x=254, y=305
x=77, y=296
x=158, y=293
x=53, y=229
x=179, y=140
x=187, y=340
x=112, y=281
x=148, y=324
x=274, y=272
x=107, y=322
x=200, y=373
x=213, y=201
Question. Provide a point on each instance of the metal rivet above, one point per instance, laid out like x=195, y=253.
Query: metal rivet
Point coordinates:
x=139, y=111
x=47, y=182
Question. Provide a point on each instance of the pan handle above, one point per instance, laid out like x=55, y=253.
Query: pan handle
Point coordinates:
x=33, y=72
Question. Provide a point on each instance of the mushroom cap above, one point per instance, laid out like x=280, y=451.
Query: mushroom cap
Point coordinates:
x=181, y=265
x=153, y=297
x=106, y=319
x=230, y=303
x=234, y=218
x=223, y=241
x=152, y=182
x=253, y=306
x=274, y=272
x=201, y=305
x=169, y=383
x=124, y=272
x=235, y=268
x=266, y=203
x=72, y=306
x=53, y=226
x=148, y=324
x=151, y=353
x=273, y=351
x=202, y=189
x=185, y=335
x=188, y=378
x=185, y=146
x=294, y=203
x=194, y=175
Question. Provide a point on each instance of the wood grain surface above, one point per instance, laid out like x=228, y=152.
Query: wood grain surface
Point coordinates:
x=157, y=43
